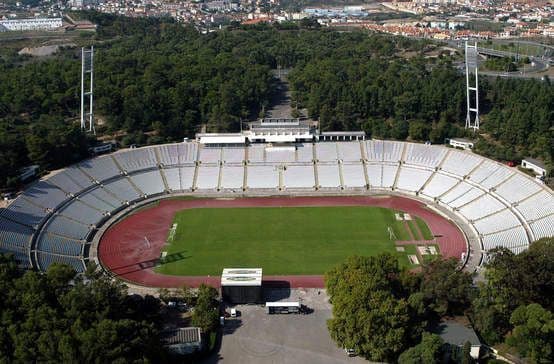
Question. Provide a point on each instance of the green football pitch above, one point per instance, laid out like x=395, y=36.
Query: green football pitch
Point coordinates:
x=281, y=240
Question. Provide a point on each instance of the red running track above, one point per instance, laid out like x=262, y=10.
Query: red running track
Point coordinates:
x=124, y=251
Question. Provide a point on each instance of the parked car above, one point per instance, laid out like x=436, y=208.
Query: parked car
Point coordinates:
x=350, y=352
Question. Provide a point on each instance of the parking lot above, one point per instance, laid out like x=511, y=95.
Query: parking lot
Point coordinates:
x=256, y=337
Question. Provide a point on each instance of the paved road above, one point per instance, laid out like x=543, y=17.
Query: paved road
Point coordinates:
x=256, y=337
x=280, y=106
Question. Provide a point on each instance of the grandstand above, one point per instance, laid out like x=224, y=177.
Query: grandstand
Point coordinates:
x=55, y=219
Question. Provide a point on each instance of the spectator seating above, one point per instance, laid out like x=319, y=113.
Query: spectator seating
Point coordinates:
x=54, y=219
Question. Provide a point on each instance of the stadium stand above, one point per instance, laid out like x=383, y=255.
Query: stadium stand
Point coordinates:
x=123, y=190
x=53, y=219
x=411, y=179
x=304, y=153
x=353, y=175
x=374, y=150
x=209, y=155
x=91, y=199
x=149, y=182
x=232, y=177
x=328, y=176
x=280, y=155
x=233, y=155
x=187, y=177
x=349, y=151
x=173, y=179
x=136, y=159
x=374, y=173
x=61, y=225
x=208, y=177
x=424, y=155
x=326, y=152
x=262, y=177
x=438, y=185
x=300, y=176
x=101, y=168
x=388, y=175
x=460, y=163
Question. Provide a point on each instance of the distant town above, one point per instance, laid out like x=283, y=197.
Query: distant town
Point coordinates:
x=436, y=19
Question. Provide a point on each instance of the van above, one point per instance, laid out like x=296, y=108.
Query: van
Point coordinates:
x=233, y=312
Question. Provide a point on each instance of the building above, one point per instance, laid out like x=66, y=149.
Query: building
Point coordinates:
x=184, y=340
x=278, y=130
x=273, y=130
x=461, y=143
x=241, y=285
x=535, y=165
x=456, y=334
x=31, y=24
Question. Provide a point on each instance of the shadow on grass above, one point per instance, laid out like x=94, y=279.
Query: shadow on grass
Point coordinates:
x=151, y=263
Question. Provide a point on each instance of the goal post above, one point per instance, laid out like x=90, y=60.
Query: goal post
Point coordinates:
x=392, y=235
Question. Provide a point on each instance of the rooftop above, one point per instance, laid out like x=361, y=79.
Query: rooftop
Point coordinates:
x=455, y=333
x=536, y=162
x=181, y=335
x=241, y=277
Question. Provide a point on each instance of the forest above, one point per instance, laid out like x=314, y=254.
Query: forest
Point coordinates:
x=158, y=81
x=388, y=314
x=57, y=317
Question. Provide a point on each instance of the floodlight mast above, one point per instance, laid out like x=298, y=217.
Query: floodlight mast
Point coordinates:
x=87, y=67
x=471, y=54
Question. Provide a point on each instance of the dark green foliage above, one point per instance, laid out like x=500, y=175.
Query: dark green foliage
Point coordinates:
x=53, y=318
x=466, y=354
x=520, y=122
x=368, y=313
x=446, y=289
x=533, y=333
x=504, y=64
x=380, y=311
x=157, y=77
x=205, y=313
x=429, y=351
x=513, y=281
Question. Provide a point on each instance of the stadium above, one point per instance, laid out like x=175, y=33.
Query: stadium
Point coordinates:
x=120, y=210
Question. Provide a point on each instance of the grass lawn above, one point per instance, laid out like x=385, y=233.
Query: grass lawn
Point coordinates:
x=281, y=240
x=414, y=230
x=427, y=235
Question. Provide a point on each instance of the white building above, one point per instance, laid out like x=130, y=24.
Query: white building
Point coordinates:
x=32, y=24
x=535, y=165
x=279, y=130
x=461, y=143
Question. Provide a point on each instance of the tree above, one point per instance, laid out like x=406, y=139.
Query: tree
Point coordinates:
x=57, y=317
x=533, y=333
x=513, y=281
x=187, y=295
x=430, y=350
x=446, y=288
x=466, y=354
x=205, y=314
x=368, y=314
